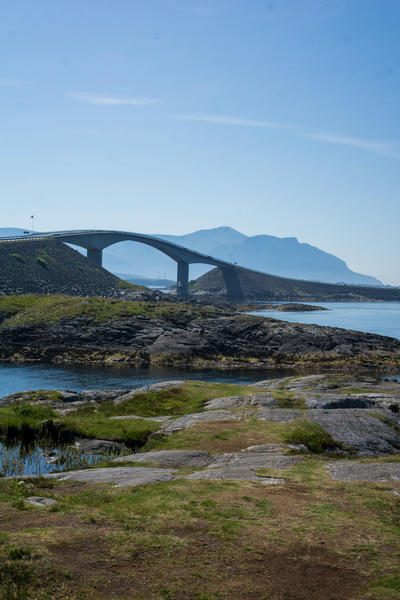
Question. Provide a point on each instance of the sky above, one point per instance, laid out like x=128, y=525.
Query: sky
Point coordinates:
x=275, y=117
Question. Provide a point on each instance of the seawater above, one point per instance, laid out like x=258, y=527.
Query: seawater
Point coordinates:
x=370, y=317
x=17, y=377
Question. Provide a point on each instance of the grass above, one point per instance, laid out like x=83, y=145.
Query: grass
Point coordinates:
x=220, y=436
x=133, y=432
x=42, y=262
x=288, y=399
x=34, y=309
x=312, y=435
x=18, y=257
x=31, y=419
x=185, y=399
x=174, y=536
x=126, y=285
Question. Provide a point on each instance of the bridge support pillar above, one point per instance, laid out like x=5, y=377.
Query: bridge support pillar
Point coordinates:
x=233, y=287
x=95, y=256
x=182, y=280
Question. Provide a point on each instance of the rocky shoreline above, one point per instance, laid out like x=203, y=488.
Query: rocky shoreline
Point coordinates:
x=188, y=335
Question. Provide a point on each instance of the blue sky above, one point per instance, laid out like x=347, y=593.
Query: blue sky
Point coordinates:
x=167, y=116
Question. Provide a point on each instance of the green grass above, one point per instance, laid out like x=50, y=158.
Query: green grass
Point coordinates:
x=18, y=257
x=387, y=586
x=42, y=262
x=208, y=436
x=23, y=416
x=126, y=285
x=33, y=309
x=310, y=434
x=134, y=432
x=186, y=399
x=288, y=399
x=31, y=418
x=149, y=509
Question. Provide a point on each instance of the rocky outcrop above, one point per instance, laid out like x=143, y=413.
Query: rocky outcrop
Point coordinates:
x=197, y=337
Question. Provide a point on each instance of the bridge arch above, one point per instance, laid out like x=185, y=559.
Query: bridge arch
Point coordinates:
x=95, y=241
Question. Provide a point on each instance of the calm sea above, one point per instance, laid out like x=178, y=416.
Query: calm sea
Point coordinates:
x=16, y=377
x=372, y=317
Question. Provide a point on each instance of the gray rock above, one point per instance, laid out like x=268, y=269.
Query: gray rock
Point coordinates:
x=350, y=471
x=100, y=395
x=265, y=448
x=40, y=501
x=190, y=420
x=234, y=474
x=261, y=399
x=278, y=415
x=228, y=402
x=154, y=387
x=333, y=401
x=90, y=445
x=358, y=430
x=120, y=476
x=255, y=460
x=158, y=419
x=170, y=458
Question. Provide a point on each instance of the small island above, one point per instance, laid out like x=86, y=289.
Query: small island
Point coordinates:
x=288, y=307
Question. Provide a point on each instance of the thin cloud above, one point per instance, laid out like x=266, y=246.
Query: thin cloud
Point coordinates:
x=112, y=100
x=221, y=120
x=381, y=148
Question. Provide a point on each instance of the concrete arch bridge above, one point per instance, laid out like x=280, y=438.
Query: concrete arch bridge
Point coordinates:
x=94, y=241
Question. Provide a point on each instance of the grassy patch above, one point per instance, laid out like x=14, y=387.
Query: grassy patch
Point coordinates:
x=31, y=309
x=134, y=432
x=288, y=399
x=18, y=257
x=42, y=262
x=221, y=436
x=170, y=539
x=387, y=586
x=186, y=399
x=310, y=434
x=126, y=285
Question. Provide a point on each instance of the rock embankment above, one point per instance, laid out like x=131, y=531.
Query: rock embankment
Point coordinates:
x=262, y=286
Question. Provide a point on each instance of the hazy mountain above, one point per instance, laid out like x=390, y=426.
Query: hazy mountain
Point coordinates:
x=278, y=256
x=286, y=257
x=11, y=231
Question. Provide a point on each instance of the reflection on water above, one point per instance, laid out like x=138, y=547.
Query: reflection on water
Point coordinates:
x=19, y=460
x=19, y=377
